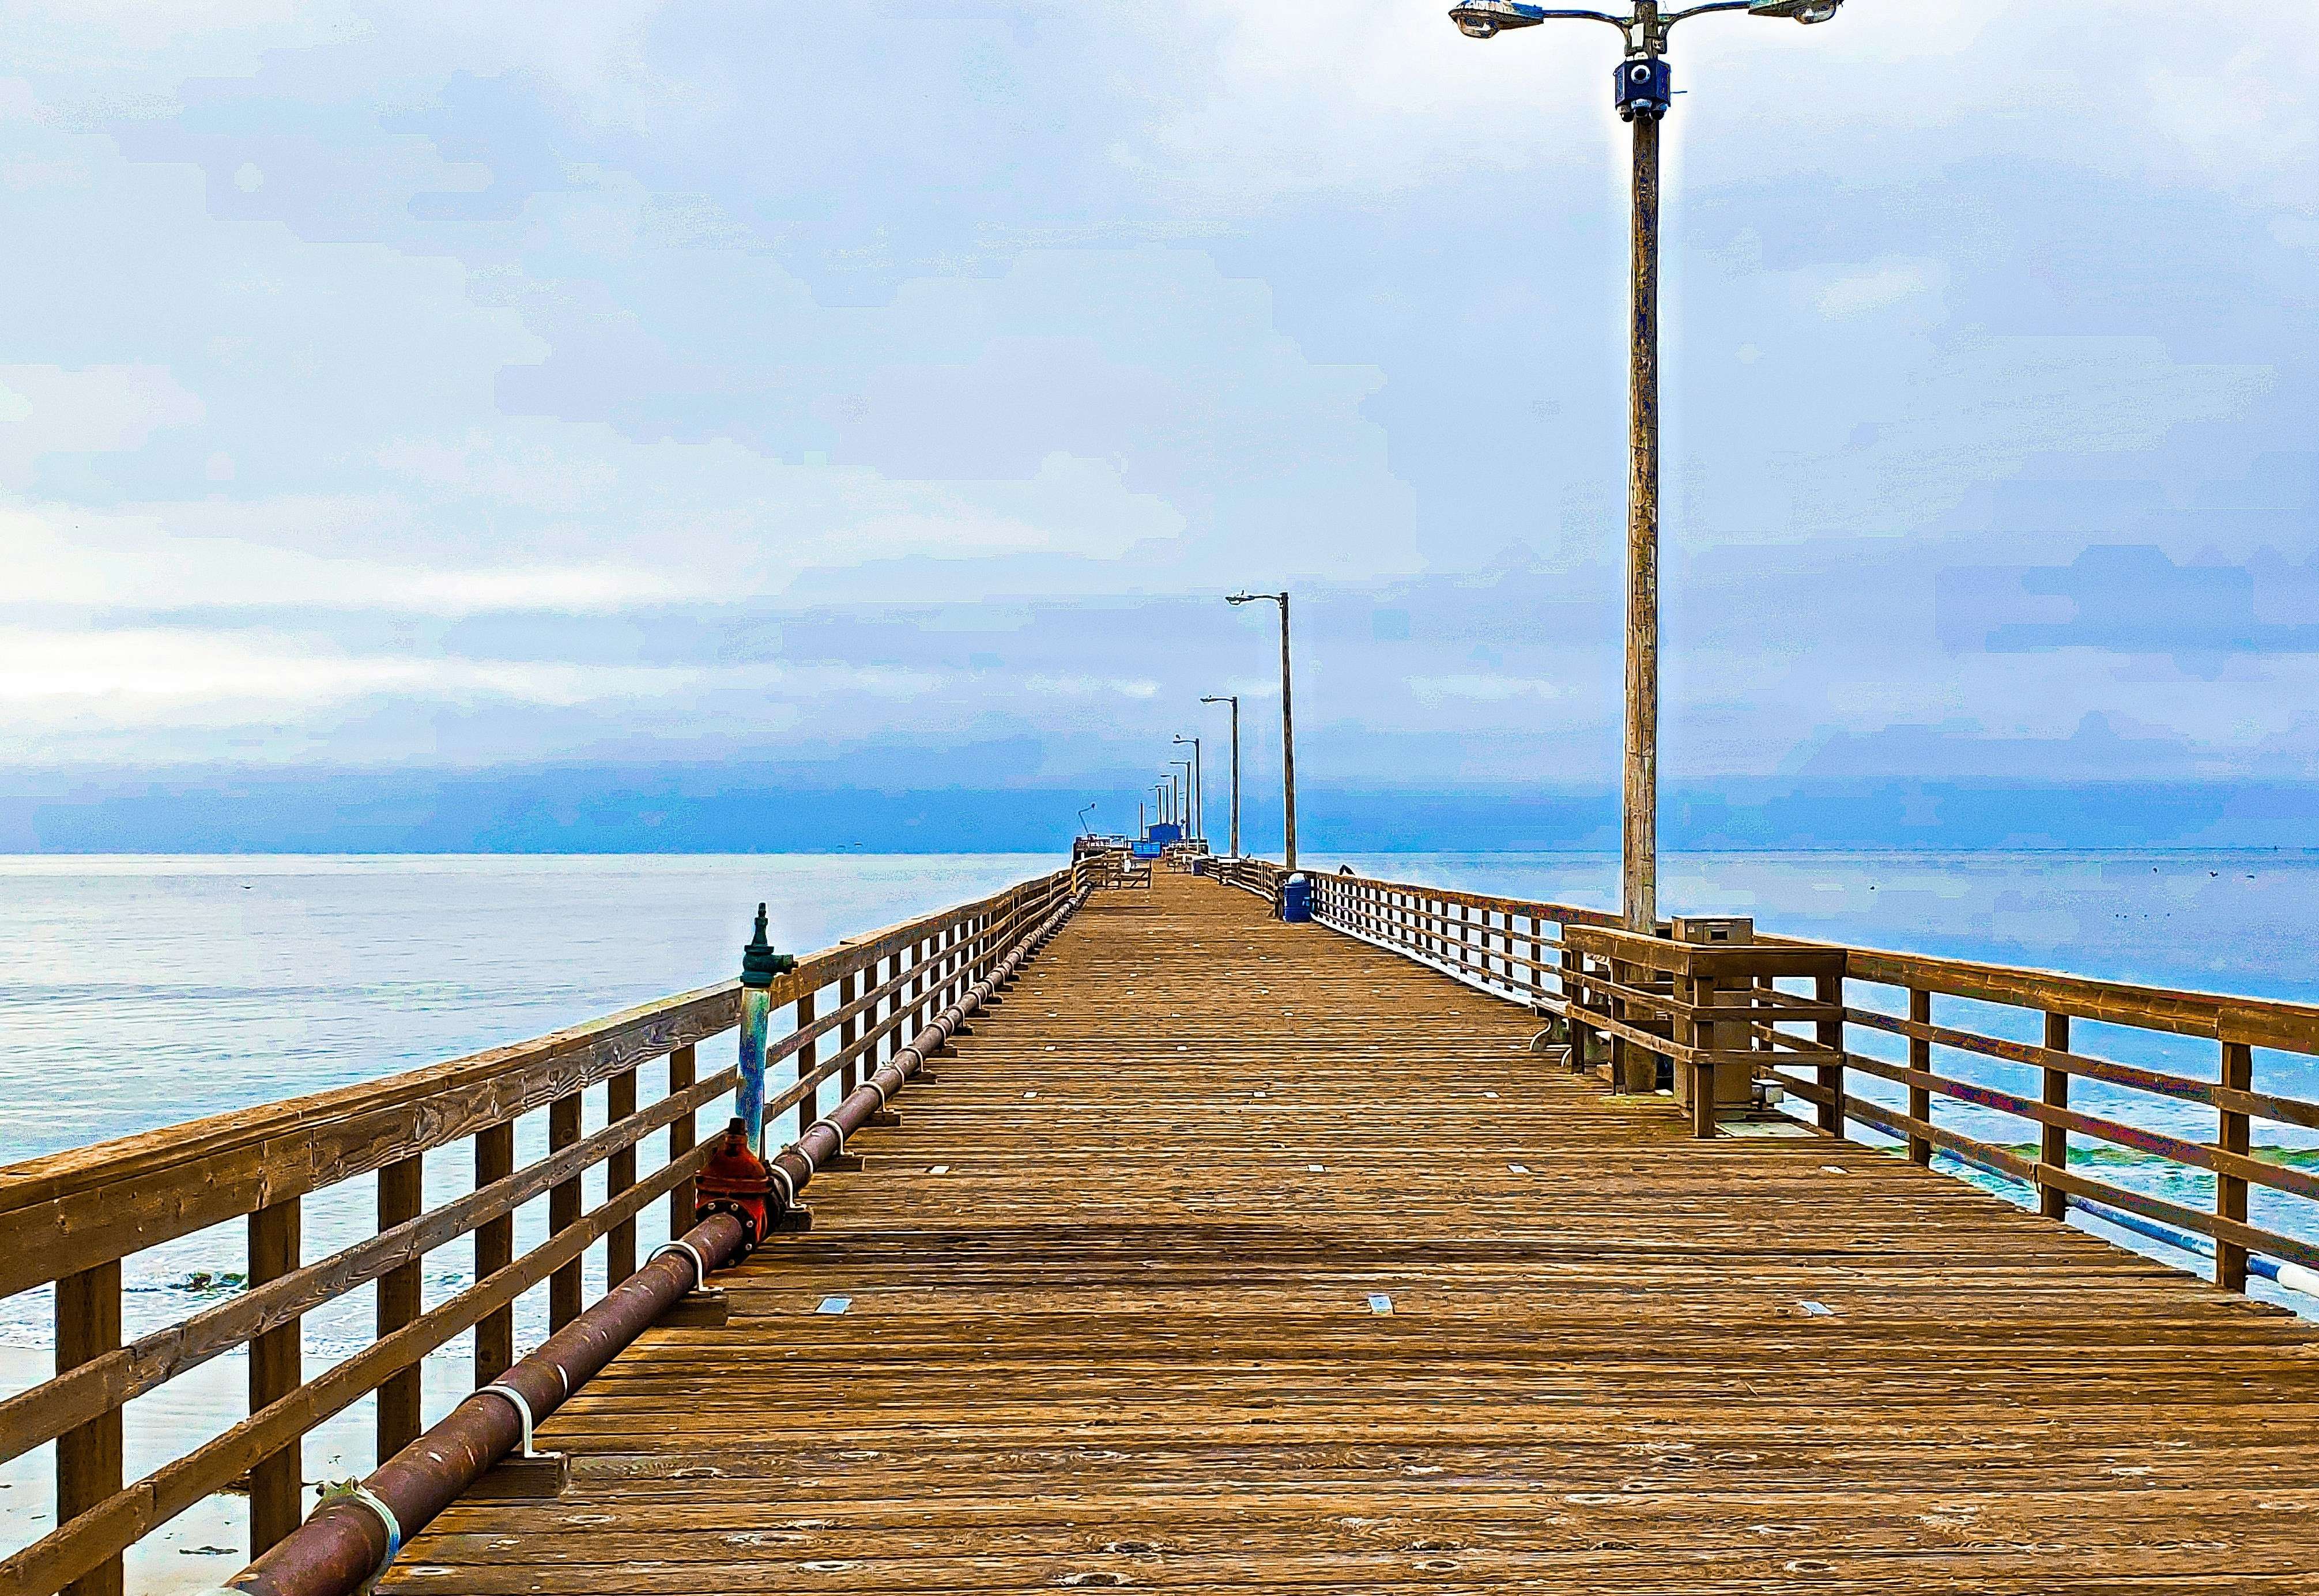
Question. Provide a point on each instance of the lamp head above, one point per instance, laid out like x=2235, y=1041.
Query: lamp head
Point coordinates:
x=1801, y=11
x=1487, y=19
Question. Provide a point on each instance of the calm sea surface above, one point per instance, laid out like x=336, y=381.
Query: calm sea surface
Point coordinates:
x=139, y=992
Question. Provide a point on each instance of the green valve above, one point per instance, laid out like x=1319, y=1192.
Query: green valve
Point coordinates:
x=759, y=963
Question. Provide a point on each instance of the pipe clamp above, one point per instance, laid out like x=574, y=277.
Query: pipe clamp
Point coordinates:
x=354, y=1492
x=699, y=1266
x=522, y=1407
x=775, y=1171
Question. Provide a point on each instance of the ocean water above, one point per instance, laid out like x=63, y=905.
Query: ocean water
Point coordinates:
x=139, y=993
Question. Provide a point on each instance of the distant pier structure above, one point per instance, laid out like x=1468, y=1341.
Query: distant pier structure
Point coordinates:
x=1122, y=1230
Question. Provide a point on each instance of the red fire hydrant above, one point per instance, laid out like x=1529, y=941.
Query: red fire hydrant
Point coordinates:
x=734, y=1181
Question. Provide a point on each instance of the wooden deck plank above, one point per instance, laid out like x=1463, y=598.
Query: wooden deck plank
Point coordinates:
x=1124, y=1338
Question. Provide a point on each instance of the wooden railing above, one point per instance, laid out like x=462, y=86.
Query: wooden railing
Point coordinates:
x=1258, y=876
x=1915, y=1026
x=70, y=1219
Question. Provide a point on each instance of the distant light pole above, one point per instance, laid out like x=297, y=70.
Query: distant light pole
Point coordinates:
x=1287, y=727
x=1199, y=791
x=1160, y=806
x=1235, y=701
x=1083, y=825
x=1183, y=808
x=1644, y=89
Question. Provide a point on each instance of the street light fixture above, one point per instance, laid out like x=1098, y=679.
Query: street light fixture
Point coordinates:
x=1645, y=92
x=1184, y=802
x=1233, y=700
x=1287, y=728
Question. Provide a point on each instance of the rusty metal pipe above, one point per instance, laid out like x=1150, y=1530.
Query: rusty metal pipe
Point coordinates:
x=346, y=1544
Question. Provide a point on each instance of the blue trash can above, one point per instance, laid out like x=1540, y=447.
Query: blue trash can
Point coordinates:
x=1296, y=901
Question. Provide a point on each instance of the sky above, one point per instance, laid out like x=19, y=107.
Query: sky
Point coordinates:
x=436, y=408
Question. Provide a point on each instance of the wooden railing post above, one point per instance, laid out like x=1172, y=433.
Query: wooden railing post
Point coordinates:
x=2231, y=1190
x=402, y=1194
x=88, y=1458
x=276, y=1368
x=682, y=1075
x=848, y=1033
x=1701, y=1036
x=564, y=1213
x=620, y=1175
x=883, y=1015
x=2053, y=1141
x=1574, y=998
x=809, y=1057
x=1920, y=1059
x=494, y=1251
x=1829, y=991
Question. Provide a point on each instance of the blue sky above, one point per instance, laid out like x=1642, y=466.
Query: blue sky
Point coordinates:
x=881, y=396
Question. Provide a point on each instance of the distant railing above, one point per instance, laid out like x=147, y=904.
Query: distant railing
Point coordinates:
x=1803, y=1016
x=1259, y=876
x=71, y=1220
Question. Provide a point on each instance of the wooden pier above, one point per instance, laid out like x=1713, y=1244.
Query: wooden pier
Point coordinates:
x=1259, y=1257
x=1223, y=1253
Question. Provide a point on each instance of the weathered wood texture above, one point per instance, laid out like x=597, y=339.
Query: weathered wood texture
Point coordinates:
x=1124, y=1336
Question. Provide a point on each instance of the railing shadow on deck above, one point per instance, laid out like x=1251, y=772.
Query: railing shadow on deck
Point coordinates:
x=1813, y=1021
x=72, y=1218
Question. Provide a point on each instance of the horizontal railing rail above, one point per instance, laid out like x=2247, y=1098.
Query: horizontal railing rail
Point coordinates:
x=72, y=1219
x=1258, y=876
x=1817, y=1021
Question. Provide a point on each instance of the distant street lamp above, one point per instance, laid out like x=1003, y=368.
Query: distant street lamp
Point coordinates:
x=1183, y=809
x=1287, y=727
x=1083, y=825
x=1199, y=791
x=1235, y=701
x=1645, y=90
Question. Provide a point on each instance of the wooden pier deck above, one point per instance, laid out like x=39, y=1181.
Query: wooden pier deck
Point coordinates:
x=1110, y=1323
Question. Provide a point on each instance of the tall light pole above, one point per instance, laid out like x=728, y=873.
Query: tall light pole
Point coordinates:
x=1199, y=791
x=1287, y=728
x=1235, y=701
x=1183, y=808
x=1644, y=90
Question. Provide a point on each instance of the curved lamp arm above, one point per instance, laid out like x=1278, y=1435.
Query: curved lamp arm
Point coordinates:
x=1684, y=16
x=1485, y=19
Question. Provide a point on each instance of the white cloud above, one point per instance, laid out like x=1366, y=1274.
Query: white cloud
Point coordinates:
x=404, y=375
x=1878, y=288
x=48, y=411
